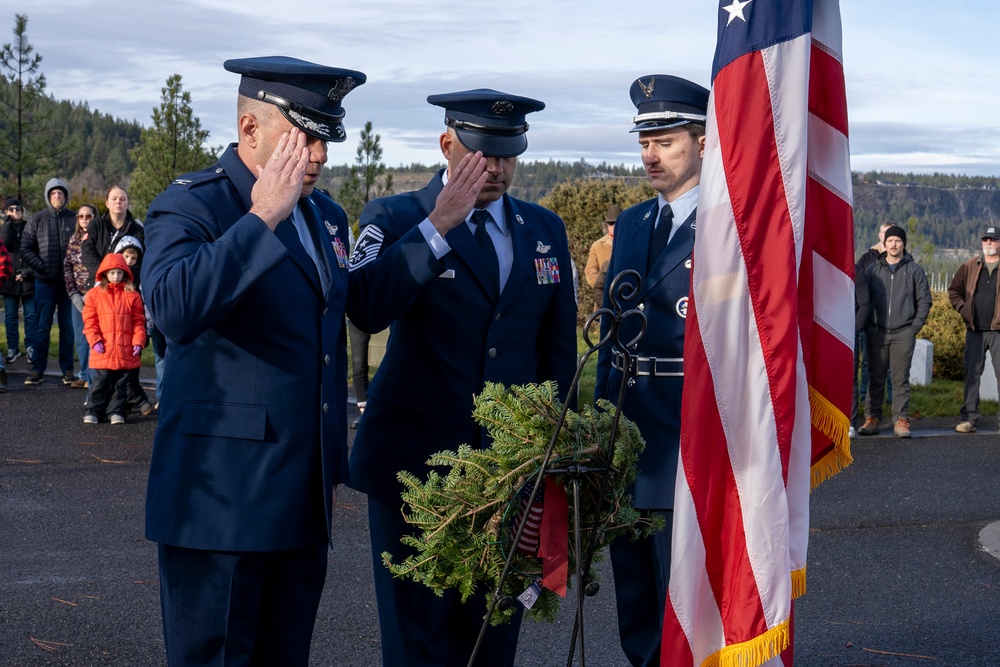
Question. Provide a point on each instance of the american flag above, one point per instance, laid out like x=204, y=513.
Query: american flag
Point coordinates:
x=770, y=331
x=532, y=516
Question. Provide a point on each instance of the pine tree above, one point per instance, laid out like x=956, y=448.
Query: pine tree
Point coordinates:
x=174, y=145
x=24, y=122
x=367, y=179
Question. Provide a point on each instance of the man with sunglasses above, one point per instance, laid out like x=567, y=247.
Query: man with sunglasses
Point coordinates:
x=43, y=247
x=973, y=293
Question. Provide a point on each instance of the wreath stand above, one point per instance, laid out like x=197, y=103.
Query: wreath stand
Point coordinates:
x=624, y=289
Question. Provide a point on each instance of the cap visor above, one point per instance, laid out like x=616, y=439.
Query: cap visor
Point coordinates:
x=333, y=132
x=657, y=125
x=492, y=145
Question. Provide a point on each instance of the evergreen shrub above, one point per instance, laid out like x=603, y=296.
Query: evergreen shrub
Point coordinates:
x=946, y=330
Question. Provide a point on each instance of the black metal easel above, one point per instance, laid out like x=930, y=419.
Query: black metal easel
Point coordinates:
x=624, y=288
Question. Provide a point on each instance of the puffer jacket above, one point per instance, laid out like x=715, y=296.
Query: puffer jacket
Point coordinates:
x=962, y=291
x=113, y=315
x=893, y=301
x=46, y=237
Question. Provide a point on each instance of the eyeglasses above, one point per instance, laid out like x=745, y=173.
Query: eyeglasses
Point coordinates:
x=84, y=217
x=14, y=209
x=989, y=240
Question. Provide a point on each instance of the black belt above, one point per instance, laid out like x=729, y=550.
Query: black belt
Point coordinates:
x=650, y=366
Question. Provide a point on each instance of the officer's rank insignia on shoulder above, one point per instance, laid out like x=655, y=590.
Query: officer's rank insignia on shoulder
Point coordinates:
x=367, y=247
x=547, y=270
x=188, y=181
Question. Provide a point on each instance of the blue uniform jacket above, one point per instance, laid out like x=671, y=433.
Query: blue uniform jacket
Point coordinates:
x=653, y=403
x=448, y=335
x=252, y=430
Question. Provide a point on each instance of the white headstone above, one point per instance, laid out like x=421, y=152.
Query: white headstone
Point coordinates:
x=988, y=381
x=922, y=365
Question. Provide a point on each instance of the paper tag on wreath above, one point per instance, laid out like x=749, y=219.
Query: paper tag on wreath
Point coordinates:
x=529, y=597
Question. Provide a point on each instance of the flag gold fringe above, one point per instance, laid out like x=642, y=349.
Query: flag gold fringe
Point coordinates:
x=834, y=424
x=751, y=653
x=798, y=583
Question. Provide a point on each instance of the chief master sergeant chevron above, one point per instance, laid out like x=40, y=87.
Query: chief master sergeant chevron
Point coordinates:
x=476, y=285
x=246, y=273
x=656, y=239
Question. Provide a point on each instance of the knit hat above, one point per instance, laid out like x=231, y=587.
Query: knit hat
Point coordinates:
x=11, y=201
x=128, y=242
x=896, y=231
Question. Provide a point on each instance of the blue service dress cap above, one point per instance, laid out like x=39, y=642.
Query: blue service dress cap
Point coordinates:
x=488, y=120
x=666, y=101
x=308, y=95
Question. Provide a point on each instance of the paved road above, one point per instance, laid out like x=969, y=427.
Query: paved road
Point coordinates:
x=897, y=575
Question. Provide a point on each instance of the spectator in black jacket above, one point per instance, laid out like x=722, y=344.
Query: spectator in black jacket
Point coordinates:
x=18, y=290
x=894, y=299
x=104, y=234
x=43, y=247
x=860, y=341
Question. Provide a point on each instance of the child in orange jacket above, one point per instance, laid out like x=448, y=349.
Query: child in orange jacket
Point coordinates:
x=115, y=327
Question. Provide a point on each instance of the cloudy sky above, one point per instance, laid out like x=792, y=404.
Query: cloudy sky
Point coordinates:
x=923, y=76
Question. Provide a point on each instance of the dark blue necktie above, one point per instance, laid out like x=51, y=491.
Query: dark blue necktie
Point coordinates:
x=491, y=262
x=661, y=233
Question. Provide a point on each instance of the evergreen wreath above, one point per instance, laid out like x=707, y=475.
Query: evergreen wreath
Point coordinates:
x=466, y=516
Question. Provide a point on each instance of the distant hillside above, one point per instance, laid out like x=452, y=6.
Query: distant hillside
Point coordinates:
x=532, y=181
x=88, y=149
x=91, y=152
x=949, y=215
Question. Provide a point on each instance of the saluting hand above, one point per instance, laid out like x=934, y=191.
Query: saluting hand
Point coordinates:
x=279, y=181
x=460, y=193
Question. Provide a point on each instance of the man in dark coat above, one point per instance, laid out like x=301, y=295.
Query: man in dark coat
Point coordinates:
x=43, y=247
x=894, y=299
x=655, y=239
x=476, y=287
x=246, y=275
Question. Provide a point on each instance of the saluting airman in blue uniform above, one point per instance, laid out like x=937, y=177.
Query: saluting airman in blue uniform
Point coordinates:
x=246, y=273
x=656, y=239
x=476, y=287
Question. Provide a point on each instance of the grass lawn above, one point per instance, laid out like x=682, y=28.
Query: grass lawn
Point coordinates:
x=147, y=352
x=942, y=398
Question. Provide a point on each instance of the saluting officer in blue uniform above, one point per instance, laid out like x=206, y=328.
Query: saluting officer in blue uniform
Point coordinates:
x=476, y=287
x=656, y=239
x=246, y=273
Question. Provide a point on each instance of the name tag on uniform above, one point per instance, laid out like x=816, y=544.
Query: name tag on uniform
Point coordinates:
x=449, y=273
x=340, y=251
x=547, y=270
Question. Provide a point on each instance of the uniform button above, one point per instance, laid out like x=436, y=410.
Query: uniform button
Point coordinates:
x=324, y=312
x=326, y=408
x=642, y=306
x=492, y=353
x=219, y=170
x=496, y=318
x=326, y=360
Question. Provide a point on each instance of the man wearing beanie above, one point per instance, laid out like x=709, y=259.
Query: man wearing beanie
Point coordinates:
x=894, y=299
